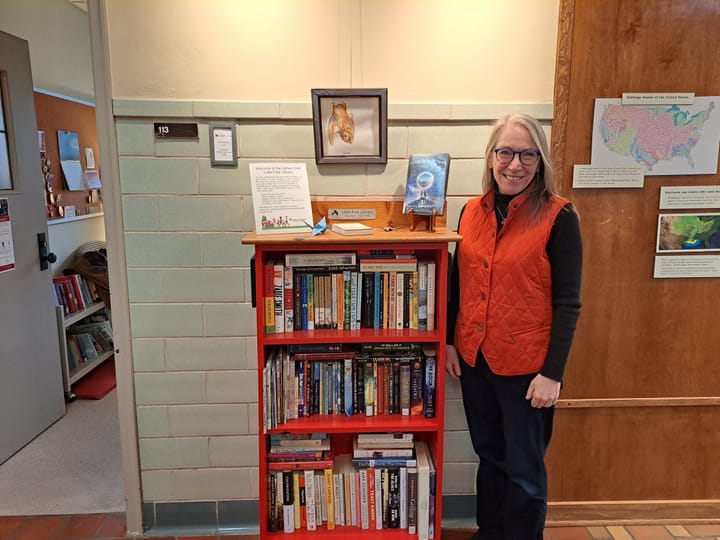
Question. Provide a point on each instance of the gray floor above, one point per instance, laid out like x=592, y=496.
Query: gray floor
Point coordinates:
x=73, y=467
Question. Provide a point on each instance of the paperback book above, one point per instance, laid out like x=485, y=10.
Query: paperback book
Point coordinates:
x=426, y=184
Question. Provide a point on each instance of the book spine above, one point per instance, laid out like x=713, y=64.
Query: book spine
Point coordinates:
x=310, y=500
x=310, y=302
x=288, y=502
x=269, y=298
x=379, y=506
x=417, y=388
x=369, y=388
x=403, y=497
x=384, y=462
x=393, y=518
x=364, y=518
x=297, y=499
x=279, y=297
x=377, y=301
x=298, y=300
x=320, y=259
x=412, y=479
x=429, y=386
x=300, y=370
x=273, y=521
x=431, y=296
x=405, y=399
x=372, y=513
x=399, y=301
x=289, y=298
x=347, y=300
x=329, y=499
x=348, y=386
x=422, y=295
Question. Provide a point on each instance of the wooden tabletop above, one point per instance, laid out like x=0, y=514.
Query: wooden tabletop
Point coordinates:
x=399, y=235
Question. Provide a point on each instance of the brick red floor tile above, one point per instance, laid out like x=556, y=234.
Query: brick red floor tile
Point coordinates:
x=81, y=526
x=569, y=533
x=8, y=525
x=36, y=527
x=113, y=526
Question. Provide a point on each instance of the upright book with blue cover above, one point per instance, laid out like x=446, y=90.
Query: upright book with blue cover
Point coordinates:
x=426, y=185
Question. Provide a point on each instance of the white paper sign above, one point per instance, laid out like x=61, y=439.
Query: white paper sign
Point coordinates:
x=687, y=266
x=281, y=198
x=592, y=176
x=678, y=197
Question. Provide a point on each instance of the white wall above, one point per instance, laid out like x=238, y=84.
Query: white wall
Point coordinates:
x=423, y=51
x=59, y=40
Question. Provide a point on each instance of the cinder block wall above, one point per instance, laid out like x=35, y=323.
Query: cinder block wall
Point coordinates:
x=193, y=328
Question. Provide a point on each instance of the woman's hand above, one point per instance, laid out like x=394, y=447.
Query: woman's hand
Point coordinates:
x=543, y=391
x=452, y=362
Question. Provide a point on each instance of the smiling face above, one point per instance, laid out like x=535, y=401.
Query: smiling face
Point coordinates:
x=513, y=177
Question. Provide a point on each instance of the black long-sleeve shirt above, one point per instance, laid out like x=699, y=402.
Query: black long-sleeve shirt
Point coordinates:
x=564, y=249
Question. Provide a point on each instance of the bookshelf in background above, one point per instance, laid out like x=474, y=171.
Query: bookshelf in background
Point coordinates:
x=84, y=330
x=355, y=368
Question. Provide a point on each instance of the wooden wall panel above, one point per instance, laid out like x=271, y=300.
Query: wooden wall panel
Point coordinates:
x=638, y=338
x=635, y=454
x=53, y=114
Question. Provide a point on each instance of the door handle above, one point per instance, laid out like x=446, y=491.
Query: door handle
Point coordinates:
x=45, y=256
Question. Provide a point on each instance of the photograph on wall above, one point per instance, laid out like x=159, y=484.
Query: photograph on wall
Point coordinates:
x=684, y=232
x=426, y=184
x=664, y=139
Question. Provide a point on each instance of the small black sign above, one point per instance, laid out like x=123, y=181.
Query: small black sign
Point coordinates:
x=176, y=131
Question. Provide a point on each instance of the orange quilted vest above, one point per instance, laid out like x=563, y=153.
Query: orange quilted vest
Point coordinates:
x=505, y=285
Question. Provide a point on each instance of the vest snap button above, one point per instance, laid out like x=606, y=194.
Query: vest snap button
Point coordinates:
x=483, y=296
x=480, y=328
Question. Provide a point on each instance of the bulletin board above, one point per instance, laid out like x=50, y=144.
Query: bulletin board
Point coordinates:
x=56, y=114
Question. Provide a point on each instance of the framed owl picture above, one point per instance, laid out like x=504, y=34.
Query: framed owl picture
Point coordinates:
x=350, y=125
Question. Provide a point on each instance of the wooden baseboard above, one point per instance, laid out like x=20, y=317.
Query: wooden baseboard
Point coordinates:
x=588, y=513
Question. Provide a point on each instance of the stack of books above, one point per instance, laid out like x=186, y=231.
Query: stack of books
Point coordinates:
x=299, y=451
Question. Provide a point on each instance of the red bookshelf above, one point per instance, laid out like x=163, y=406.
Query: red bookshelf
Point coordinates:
x=341, y=429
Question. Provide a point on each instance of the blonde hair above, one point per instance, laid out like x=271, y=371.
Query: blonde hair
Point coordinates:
x=543, y=187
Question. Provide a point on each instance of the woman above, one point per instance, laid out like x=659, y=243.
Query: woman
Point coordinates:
x=513, y=306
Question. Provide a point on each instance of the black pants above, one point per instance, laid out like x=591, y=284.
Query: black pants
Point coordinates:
x=510, y=437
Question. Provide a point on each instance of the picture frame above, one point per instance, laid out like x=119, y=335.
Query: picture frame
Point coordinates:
x=350, y=125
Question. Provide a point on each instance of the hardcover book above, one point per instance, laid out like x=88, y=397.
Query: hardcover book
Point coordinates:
x=426, y=184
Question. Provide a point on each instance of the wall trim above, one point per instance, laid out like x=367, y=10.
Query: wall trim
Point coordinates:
x=453, y=112
x=459, y=512
x=662, y=512
x=701, y=401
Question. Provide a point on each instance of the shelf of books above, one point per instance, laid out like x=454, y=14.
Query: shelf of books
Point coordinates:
x=351, y=354
x=84, y=330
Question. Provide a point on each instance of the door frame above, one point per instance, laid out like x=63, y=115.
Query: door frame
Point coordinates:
x=107, y=141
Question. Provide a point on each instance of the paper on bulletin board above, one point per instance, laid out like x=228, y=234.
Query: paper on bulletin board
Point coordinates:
x=69, y=149
x=7, y=253
x=92, y=180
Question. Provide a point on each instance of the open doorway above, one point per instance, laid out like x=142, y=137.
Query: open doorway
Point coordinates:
x=74, y=466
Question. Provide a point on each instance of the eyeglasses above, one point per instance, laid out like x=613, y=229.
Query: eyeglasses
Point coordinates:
x=527, y=157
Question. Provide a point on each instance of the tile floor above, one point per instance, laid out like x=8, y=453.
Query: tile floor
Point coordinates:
x=112, y=527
